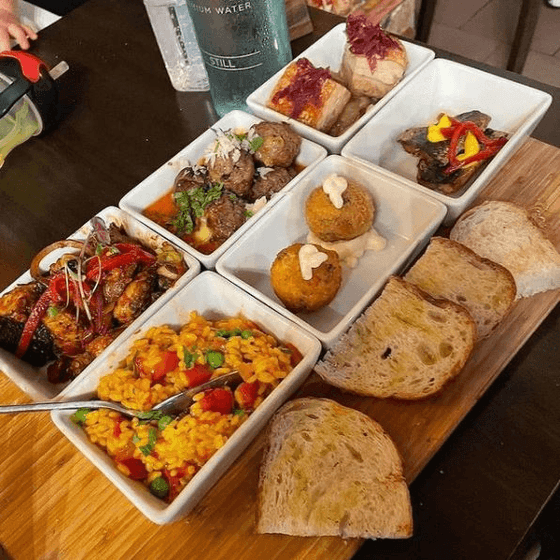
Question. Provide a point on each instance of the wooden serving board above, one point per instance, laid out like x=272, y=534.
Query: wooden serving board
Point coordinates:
x=55, y=504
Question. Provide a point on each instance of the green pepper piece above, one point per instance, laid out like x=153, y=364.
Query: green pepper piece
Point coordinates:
x=214, y=358
x=159, y=487
x=79, y=417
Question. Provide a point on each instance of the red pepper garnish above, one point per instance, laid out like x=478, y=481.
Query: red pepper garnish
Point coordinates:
x=128, y=254
x=218, y=400
x=491, y=146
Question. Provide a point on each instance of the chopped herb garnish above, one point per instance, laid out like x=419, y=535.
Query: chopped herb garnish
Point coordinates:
x=189, y=358
x=150, y=415
x=52, y=311
x=163, y=422
x=238, y=412
x=256, y=143
x=246, y=334
x=136, y=439
x=248, y=214
x=79, y=417
x=214, y=358
x=152, y=437
x=222, y=333
x=191, y=204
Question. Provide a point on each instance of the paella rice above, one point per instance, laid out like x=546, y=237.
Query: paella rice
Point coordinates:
x=163, y=452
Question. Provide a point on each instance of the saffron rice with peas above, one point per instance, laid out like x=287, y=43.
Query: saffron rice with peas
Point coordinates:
x=163, y=452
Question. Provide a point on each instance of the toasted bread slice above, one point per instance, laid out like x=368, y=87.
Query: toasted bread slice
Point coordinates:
x=406, y=345
x=504, y=233
x=448, y=269
x=329, y=470
x=333, y=97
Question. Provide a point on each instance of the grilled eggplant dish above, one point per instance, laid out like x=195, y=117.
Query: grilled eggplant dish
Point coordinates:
x=452, y=150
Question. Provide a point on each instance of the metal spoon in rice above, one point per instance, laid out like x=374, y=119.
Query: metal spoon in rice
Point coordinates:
x=172, y=406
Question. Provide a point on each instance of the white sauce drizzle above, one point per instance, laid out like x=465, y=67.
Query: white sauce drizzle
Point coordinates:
x=350, y=251
x=309, y=258
x=334, y=186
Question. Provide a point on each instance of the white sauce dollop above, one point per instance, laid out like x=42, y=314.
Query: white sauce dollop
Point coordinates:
x=350, y=251
x=334, y=186
x=309, y=258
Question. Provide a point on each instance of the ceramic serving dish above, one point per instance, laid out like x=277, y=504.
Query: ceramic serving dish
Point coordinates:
x=211, y=296
x=450, y=87
x=160, y=182
x=405, y=218
x=32, y=380
x=327, y=52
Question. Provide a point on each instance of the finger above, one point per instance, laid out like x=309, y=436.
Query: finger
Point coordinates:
x=4, y=40
x=18, y=33
x=30, y=32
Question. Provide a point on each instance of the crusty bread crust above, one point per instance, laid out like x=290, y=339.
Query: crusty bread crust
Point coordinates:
x=406, y=345
x=329, y=470
x=503, y=232
x=448, y=269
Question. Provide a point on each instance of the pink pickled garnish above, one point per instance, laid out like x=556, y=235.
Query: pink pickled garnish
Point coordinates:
x=368, y=39
x=305, y=88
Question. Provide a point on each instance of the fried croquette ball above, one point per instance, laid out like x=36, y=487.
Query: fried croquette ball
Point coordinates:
x=297, y=293
x=352, y=219
x=281, y=144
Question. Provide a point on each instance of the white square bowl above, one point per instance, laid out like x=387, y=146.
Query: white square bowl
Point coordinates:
x=327, y=52
x=33, y=380
x=211, y=296
x=405, y=218
x=446, y=86
x=161, y=181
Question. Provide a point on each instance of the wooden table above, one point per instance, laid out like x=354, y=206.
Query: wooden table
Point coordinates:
x=482, y=490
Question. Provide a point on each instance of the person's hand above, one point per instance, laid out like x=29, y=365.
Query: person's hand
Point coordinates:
x=10, y=26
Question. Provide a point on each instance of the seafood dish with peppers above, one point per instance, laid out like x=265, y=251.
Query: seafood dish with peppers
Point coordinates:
x=71, y=312
x=452, y=150
x=373, y=62
x=239, y=172
x=165, y=453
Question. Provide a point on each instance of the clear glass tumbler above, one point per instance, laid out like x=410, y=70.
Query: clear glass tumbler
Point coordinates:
x=177, y=43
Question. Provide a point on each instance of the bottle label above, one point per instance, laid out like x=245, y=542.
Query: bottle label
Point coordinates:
x=227, y=33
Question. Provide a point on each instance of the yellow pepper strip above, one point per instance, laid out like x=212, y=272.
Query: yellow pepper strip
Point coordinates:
x=434, y=133
x=471, y=147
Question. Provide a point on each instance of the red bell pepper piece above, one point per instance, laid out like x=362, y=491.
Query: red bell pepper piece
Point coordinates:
x=169, y=361
x=490, y=145
x=197, y=375
x=117, y=428
x=218, y=400
x=136, y=468
x=246, y=394
x=128, y=253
